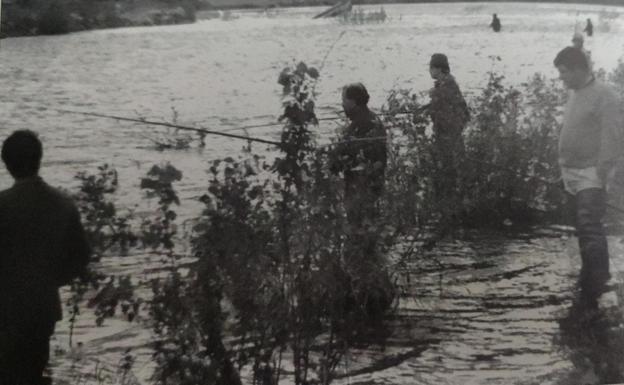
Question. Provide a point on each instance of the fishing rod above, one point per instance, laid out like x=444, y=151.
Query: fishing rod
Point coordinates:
x=378, y=113
x=331, y=48
x=242, y=128
x=206, y=131
x=171, y=125
x=281, y=145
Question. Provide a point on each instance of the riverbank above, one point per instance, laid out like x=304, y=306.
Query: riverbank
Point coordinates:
x=29, y=18
x=40, y=17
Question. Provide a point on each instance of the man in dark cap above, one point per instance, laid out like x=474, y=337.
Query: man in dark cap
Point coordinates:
x=449, y=114
x=590, y=144
x=42, y=247
x=361, y=155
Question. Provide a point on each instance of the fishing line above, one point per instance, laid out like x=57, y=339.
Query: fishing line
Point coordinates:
x=171, y=125
x=279, y=144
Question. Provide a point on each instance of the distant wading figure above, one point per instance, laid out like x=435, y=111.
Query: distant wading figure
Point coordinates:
x=496, y=23
x=449, y=115
x=590, y=144
x=589, y=28
x=42, y=247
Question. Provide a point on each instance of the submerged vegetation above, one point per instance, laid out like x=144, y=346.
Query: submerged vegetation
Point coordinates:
x=275, y=283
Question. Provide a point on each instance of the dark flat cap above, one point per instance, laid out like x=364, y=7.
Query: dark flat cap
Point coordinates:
x=439, y=60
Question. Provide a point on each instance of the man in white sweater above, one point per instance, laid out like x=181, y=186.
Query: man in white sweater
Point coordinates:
x=589, y=145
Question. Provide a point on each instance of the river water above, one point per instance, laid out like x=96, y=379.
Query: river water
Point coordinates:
x=222, y=74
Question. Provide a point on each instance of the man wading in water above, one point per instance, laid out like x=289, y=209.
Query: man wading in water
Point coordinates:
x=496, y=23
x=42, y=247
x=449, y=114
x=589, y=145
x=361, y=155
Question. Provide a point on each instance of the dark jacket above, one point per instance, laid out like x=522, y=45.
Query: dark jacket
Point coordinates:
x=448, y=109
x=589, y=28
x=359, y=157
x=42, y=247
x=496, y=24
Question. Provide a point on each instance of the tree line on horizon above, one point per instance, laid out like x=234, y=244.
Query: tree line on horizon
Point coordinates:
x=285, y=3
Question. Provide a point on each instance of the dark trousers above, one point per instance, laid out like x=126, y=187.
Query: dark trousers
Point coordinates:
x=24, y=354
x=362, y=194
x=590, y=209
x=370, y=291
x=448, y=155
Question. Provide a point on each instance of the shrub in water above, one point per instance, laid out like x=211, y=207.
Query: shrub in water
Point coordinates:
x=271, y=242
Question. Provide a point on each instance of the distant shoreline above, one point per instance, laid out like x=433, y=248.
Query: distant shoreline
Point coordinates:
x=50, y=17
x=261, y=4
x=57, y=17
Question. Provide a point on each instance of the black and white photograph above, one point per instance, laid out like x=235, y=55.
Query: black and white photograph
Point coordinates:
x=311, y=192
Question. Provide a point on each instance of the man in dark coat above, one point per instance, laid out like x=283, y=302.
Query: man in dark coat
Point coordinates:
x=361, y=155
x=449, y=114
x=42, y=247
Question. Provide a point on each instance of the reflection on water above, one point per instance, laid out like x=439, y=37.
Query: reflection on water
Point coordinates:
x=594, y=339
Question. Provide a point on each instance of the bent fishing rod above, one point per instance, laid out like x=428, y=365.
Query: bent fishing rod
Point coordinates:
x=225, y=133
x=171, y=125
x=206, y=131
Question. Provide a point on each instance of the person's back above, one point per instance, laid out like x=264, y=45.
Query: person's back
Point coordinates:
x=42, y=247
x=35, y=221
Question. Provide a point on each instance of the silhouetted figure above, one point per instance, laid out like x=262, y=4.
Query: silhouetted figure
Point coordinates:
x=589, y=28
x=42, y=247
x=590, y=144
x=496, y=23
x=449, y=114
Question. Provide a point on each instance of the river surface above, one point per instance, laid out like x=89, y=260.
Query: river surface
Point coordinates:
x=496, y=320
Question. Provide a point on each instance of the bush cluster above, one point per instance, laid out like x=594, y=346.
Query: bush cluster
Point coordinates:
x=275, y=274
